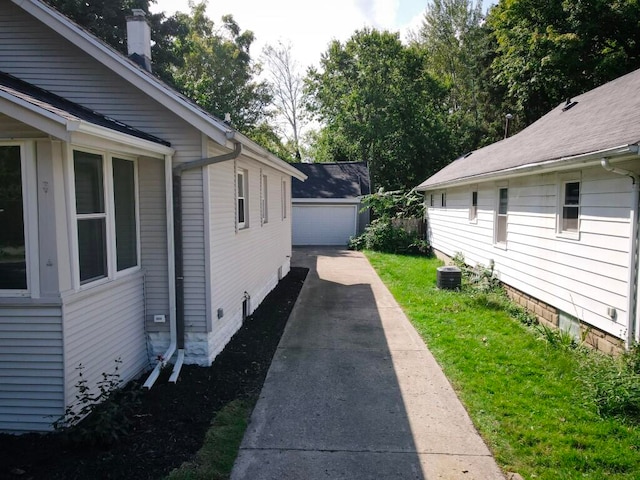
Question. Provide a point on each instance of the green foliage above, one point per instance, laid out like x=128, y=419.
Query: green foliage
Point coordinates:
x=550, y=51
x=382, y=236
x=98, y=418
x=612, y=386
x=395, y=204
x=478, y=277
x=379, y=105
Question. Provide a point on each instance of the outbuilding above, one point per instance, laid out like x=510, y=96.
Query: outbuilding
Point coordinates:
x=327, y=206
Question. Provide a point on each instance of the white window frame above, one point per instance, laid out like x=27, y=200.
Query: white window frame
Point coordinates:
x=562, y=183
x=264, y=199
x=502, y=243
x=473, y=206
x=109, y=216
x=29, y=218
x=244, y=224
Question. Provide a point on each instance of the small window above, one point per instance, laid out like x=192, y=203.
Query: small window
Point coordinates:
x=569, y=221
x=431, y=200
x=264, y=204
x=242, y=198
x=91, y=216
x=473, y=208
x=501, y=217
x=13, y=261
x=443, y=199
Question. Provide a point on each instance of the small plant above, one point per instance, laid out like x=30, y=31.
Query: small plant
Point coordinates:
x=100, y=418
x=478, y=277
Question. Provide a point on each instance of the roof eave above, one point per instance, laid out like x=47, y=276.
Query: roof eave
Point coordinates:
x=557, y=164
x=213, y=128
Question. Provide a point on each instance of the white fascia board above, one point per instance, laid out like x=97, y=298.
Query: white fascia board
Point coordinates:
x=119, y=137
x=163, y=94
x=326, y=201
x=555, y=165
x=34, y=116
x=67, y=129
x=255, y=152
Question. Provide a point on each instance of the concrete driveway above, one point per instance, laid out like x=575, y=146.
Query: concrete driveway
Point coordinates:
x=353, y=393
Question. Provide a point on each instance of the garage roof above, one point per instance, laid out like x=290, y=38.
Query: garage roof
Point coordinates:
x=332, y=180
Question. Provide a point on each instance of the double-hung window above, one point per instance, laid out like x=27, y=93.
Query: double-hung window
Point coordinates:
x=13, y=245
x=106, y=215
x=569, y=221
x=501, y=215
x=241, y=197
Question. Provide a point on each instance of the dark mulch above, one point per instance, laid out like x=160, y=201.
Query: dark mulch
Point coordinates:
x=170, y=421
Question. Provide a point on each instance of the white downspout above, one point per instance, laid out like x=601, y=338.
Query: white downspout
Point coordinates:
x=632, y=328
x=173, y=335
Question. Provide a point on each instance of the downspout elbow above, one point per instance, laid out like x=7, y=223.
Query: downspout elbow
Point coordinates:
x=620, y=171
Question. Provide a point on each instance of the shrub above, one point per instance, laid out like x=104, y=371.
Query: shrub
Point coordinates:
x=382, y=236
x=100, y=418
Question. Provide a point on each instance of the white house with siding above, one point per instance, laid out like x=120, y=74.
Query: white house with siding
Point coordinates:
x=91, y=148
x=555, y=207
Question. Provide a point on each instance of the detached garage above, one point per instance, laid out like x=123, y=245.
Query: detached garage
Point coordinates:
x=326, y=207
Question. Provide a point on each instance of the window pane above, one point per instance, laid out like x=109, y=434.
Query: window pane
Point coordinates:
x=92, y=251
x=501, y=234
x=240, y=185
x=88, y=181
x=504, y=200
x=572, y=193
x=124, y=192
x=570, y=219
x=474, y=199
x=241, y=210
x=13, y=265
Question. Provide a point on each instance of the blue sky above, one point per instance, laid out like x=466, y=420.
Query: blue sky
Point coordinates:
x=309, y=26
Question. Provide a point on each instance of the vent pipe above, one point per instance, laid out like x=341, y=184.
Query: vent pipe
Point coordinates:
x=139, y=39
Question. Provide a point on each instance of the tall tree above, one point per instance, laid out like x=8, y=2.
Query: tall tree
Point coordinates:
x=452, y=37
x=287, y=89
x=548, y=51
x=379, y=105
x=217, y=71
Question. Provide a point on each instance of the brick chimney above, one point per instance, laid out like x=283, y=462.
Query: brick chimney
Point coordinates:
x=139, y=39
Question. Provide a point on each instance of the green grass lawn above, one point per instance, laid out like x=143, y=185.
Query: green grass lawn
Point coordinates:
x=526, y=397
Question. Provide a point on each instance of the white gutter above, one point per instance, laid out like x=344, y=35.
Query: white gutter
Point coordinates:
x=632, y=329
x=171, y=267
x=557, y=164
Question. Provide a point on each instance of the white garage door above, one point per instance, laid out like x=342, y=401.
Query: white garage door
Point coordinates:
x=323, y=224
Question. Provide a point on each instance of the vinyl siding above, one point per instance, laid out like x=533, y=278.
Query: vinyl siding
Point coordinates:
x=153, y=241
x=31, y=367
x=582, y=276
x=246, y=260
x=38, y=55
x=102, y=324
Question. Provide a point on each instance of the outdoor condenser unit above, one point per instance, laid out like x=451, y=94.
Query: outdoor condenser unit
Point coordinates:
x=449, y=277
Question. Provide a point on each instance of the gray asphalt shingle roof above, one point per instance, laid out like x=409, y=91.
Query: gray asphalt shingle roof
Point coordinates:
x=67, y=109
x=605, y=117
x=332, y=180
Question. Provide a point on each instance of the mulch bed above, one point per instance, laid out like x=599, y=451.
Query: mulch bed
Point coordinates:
x=171, y=420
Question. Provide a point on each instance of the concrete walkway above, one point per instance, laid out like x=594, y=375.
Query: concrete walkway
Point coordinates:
x=353, y=393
